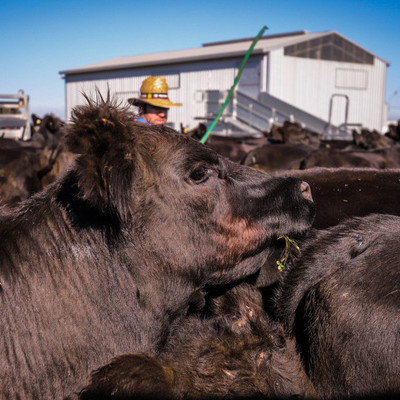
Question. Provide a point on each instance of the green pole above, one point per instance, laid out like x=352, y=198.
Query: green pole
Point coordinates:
x=235, y=82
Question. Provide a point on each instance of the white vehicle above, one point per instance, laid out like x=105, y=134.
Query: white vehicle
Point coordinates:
x=14, y=116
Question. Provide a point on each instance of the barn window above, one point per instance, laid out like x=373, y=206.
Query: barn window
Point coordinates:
x=331, y=47
x=351, y=79
x=213, y=100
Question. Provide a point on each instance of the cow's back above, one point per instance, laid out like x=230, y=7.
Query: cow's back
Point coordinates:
x=341, y=302
x=58, y=318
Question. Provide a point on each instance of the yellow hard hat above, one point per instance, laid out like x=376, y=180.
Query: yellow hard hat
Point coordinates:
x=154, y=91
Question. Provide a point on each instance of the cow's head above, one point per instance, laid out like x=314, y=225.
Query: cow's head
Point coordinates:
x=182, y=205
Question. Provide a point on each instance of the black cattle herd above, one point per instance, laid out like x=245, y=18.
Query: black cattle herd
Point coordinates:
x=137, y=263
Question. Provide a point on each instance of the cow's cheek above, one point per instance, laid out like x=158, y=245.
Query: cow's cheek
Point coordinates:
x=236, y=239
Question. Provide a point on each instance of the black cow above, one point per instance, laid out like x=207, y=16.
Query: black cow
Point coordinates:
x=337, y=158
x=234, y=148
x=196, y=133
x=393, y=131
x=277, y=157
x=293, y=133
x=49, y=132
x=234, y=351
x=217, y=356
x=28, y=166
x=46, y=132
x=341, y=193
x=338, y=194
x=367, y=139
x=102, y=261
x=341, y=302
x=20, y=165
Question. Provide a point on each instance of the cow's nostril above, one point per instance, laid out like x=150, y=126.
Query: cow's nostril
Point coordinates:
x=306, y=191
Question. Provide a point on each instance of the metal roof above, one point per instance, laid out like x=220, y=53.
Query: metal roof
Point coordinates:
x=209, y=51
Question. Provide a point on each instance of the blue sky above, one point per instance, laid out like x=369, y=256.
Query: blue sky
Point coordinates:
x=41, y=38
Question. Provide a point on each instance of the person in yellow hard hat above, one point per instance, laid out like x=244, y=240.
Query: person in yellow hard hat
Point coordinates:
x=153, y=103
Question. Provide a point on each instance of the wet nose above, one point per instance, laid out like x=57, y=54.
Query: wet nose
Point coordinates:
x=306, y=191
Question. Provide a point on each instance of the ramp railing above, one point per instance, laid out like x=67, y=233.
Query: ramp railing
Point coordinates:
x=262, y=113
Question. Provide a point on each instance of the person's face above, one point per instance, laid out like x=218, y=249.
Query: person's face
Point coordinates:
x=155, y=115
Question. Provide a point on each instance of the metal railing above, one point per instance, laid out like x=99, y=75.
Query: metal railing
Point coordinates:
x=262, y=113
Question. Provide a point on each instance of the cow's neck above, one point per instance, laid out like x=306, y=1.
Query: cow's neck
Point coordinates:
x=164, y=299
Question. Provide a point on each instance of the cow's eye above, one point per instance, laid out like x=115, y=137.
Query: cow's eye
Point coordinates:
x=200, y=174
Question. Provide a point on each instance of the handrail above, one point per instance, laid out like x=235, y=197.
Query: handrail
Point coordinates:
x=246, y=57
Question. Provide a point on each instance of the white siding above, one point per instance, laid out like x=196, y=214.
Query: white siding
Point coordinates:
x=309, y=84
x=187, y=83
x=195, y=79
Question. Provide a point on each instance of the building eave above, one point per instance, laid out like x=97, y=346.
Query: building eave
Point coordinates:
x=210, y=51
x=152, y=61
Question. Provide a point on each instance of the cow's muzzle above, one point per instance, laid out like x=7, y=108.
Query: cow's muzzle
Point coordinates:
x=306, y=191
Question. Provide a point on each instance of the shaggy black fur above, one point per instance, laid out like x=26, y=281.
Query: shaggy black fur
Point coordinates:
x=235, y=351
x=101, y=262
x=341, y=302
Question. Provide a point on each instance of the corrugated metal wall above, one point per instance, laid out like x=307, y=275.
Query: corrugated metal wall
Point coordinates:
x=187, y=84
x=305, y=83
x=310, y=84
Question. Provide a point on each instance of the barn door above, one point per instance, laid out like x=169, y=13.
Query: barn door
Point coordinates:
x=250, y=80
x=338, y=109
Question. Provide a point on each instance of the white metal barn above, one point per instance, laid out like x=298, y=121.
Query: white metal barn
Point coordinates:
x=322, y=80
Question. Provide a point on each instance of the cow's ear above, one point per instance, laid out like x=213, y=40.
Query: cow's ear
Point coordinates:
x=103, y=134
